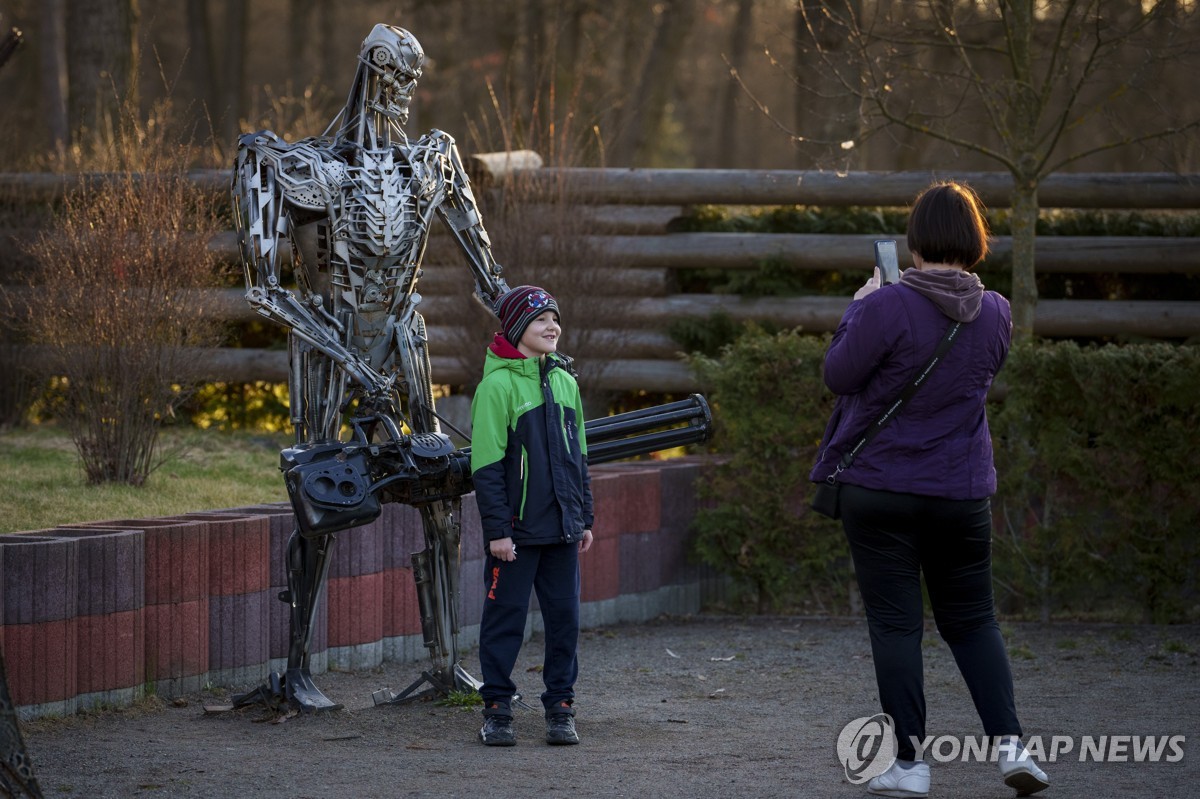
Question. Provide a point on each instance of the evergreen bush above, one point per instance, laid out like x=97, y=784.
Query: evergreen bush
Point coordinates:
x=1096, y=449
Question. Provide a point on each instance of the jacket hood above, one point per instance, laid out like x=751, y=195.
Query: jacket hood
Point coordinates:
x=503, y=355
x=956, y=293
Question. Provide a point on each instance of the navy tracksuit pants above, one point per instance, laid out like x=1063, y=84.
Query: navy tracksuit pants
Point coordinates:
x=894, y=539
x=552, y=570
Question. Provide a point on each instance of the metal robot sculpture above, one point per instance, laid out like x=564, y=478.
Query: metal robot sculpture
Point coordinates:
x=355, y=336
x=358, y=350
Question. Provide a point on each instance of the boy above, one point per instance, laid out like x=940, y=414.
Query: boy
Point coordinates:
x=529, y=463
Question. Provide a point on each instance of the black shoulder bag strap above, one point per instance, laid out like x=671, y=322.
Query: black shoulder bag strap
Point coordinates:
x=942, y=348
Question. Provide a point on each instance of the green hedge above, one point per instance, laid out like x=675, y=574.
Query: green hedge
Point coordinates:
x=770, y=408
x=1098, y=506
x=1097, y=509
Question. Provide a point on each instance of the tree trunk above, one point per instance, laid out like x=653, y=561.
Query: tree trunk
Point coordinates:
x=658, y=77
x=825, y=113
x=201, y=68
x=1024, y=278
x=53, y=69
x=234, y=72
x=300, y=36
x=101, y=62
x=727, y=141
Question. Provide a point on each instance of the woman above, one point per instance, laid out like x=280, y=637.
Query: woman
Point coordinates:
x=916, y=499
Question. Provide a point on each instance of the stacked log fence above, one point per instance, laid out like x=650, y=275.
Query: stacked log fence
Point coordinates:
x=631, y=210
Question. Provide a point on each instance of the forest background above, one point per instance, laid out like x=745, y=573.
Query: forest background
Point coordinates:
x=589, y=82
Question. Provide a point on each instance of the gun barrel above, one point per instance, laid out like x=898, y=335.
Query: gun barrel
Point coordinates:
x=626, y=435
x=637, y=432
x=610, y=427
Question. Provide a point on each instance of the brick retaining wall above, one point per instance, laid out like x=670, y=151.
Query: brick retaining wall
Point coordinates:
x=107, y=612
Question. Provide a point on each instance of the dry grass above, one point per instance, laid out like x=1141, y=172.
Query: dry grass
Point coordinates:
x=45, y=486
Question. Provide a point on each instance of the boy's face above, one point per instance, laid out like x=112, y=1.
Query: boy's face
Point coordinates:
x=541, y=337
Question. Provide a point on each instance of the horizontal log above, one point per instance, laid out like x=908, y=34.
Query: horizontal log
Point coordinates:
x=1054, y=318
x=487, y=169
x=251, y=365
x=818, y=252
x=765, y=187
x=445, y=268
x=800, y=187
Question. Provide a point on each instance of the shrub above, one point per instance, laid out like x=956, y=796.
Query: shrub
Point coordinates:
x=770, y=407
x=1097, y=507
x=113, y=303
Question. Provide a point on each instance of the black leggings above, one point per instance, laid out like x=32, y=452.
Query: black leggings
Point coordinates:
x=896, y=537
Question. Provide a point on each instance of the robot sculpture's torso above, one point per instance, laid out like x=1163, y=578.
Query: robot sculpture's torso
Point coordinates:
x=372, y=210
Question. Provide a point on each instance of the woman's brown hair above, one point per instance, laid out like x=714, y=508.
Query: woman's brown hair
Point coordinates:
x=947, y=225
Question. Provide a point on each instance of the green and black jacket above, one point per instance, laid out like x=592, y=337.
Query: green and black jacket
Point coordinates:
x=528, y=450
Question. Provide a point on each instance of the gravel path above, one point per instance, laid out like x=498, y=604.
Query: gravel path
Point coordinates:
x=706, y=706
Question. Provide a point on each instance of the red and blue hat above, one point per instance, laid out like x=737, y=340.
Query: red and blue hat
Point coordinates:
x=520, y=306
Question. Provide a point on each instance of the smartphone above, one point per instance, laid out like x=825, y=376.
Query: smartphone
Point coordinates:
x=888, y=261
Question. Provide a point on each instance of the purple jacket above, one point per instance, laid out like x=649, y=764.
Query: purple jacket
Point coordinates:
x=939, y=444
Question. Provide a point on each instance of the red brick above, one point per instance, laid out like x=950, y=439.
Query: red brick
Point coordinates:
x=111, y=651
x=239, y=552
x=355, y=610
x=600, y=569
x=41, y=660
x=401, y=614
x=177, y=639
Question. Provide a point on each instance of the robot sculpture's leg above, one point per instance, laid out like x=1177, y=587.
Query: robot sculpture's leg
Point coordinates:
x=315, y=389
x=16, y=772
x=435, y=569
x=308, y=566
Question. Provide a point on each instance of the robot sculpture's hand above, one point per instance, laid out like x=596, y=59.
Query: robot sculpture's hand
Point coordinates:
x=282, y=307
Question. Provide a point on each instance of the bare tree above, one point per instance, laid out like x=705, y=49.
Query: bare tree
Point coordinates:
x=52, y=69
x=648, y=107
x=1033, y=86
x=101, y=61
x=739, y=44
x=233, y=85
x=201, y=64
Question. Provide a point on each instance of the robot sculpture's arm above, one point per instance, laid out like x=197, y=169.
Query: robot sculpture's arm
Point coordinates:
x=275, y=186
x=460, y=212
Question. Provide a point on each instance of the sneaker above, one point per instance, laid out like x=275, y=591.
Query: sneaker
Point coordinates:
x=497, y=729
x=1019, y=770
x=560, y=725
x=905, y=783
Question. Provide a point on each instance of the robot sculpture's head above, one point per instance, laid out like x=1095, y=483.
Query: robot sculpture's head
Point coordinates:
x=391, y=60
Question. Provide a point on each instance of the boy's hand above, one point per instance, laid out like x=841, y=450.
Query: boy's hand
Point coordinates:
x=503, y=549
x=586, y=542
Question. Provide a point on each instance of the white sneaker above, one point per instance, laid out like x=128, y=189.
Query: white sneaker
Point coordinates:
x=1019, y=770
x=904, y=783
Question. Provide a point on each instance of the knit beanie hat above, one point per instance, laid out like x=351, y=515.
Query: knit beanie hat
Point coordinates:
x=520, y=306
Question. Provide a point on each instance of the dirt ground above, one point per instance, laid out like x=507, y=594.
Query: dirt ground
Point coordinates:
x=706, y=706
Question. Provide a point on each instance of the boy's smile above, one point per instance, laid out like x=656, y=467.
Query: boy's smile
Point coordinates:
x=541, y=337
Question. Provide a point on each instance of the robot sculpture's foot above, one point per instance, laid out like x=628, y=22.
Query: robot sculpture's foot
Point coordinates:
x=439, y=684
x=294, y=689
